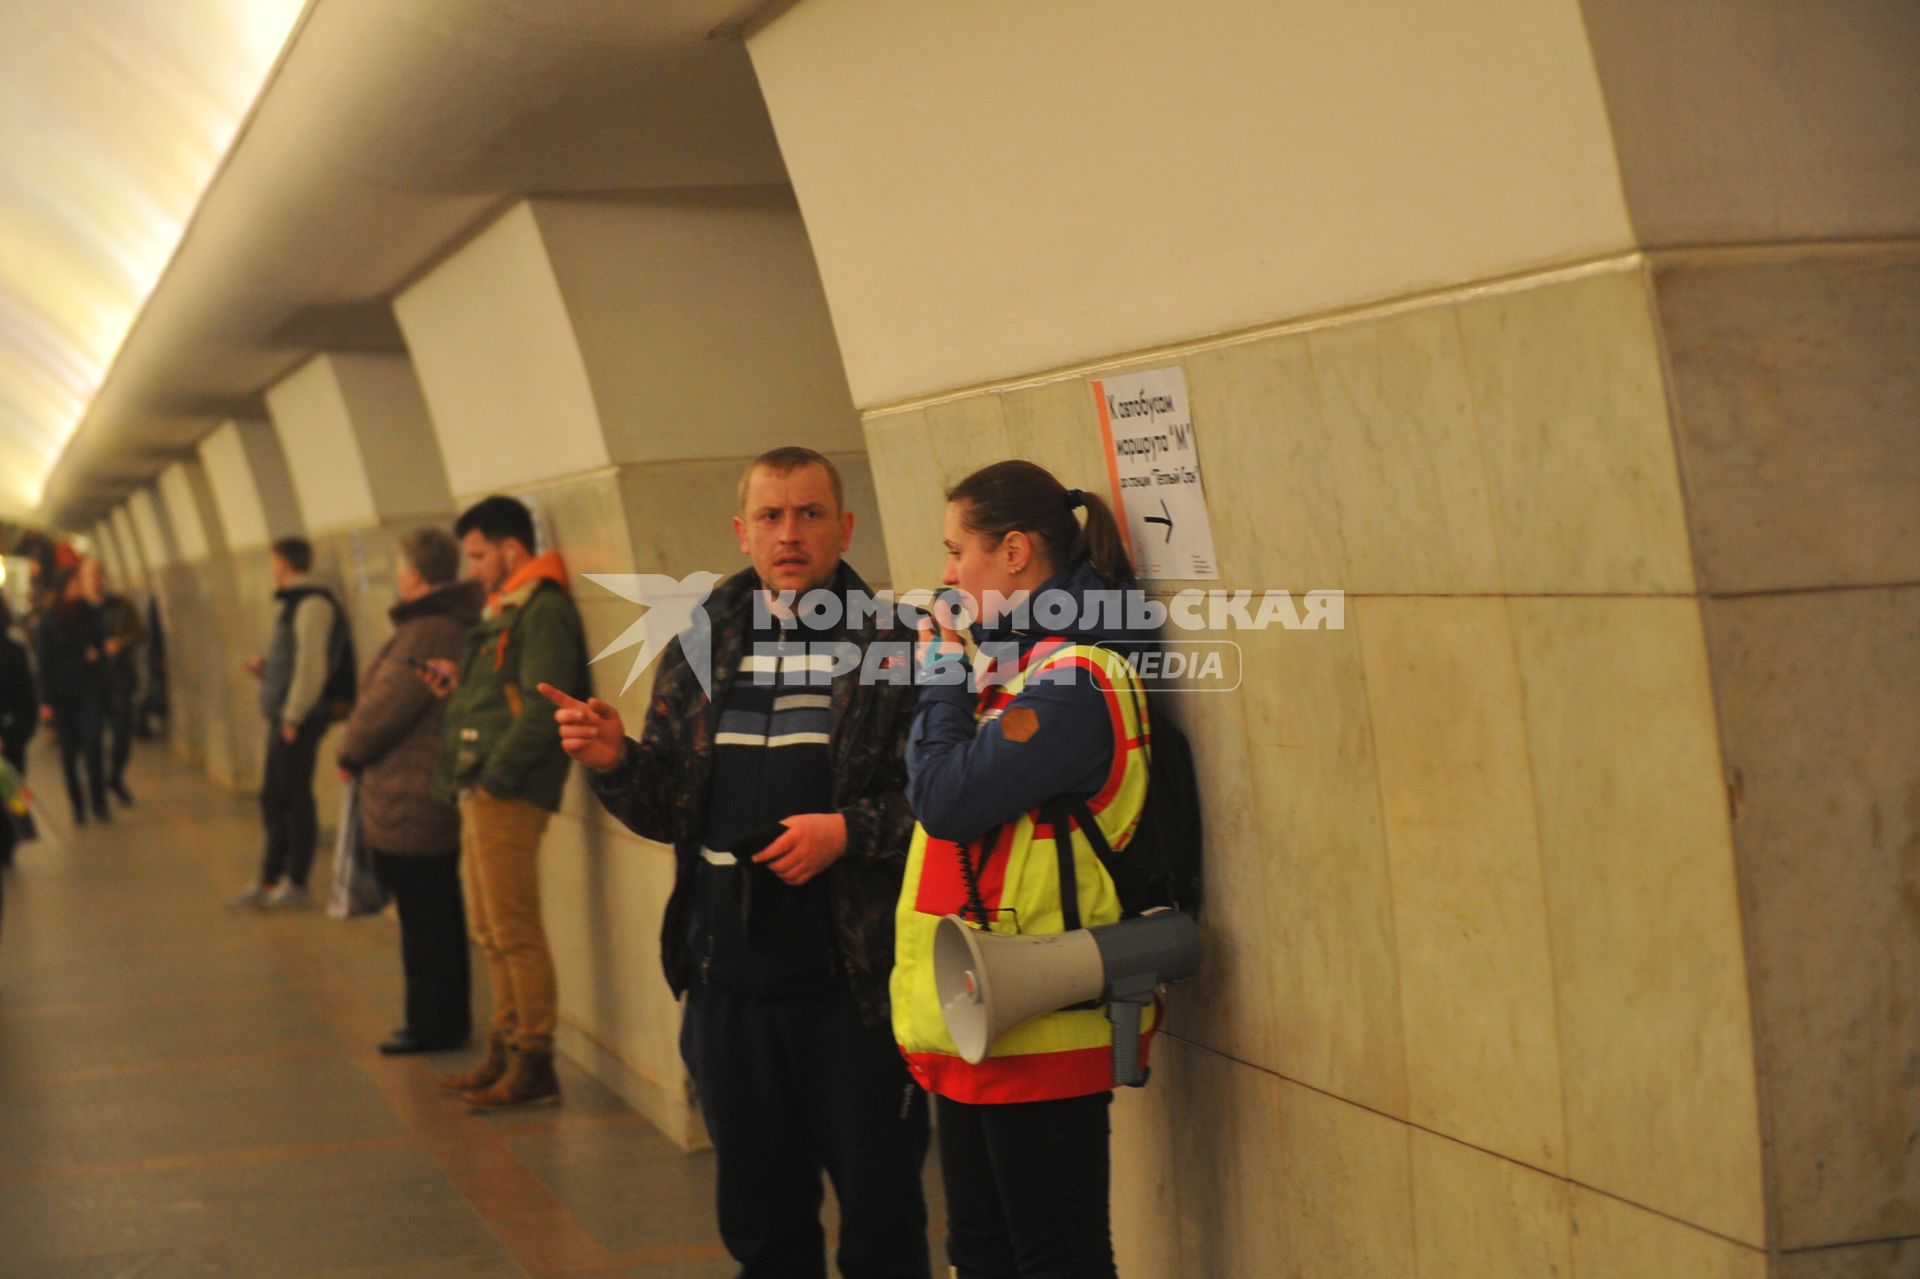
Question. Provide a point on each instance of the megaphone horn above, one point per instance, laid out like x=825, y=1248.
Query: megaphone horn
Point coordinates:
x=988, y=983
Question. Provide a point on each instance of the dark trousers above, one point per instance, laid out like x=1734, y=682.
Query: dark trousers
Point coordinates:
x=286, y=804
x=433, y=942
x=1027, y=1188
x=119, y=727
x=790, y=1087
x=78, y=723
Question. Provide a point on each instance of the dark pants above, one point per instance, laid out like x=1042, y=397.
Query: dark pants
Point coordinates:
x=78, y=723
x=433, y=942
x=286, y=804
x=1027, y=1188
x=119, y=727
x=792, y=1086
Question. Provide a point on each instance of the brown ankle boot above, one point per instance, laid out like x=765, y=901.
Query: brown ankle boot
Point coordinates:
x=484, y=1075
x=529, y=1081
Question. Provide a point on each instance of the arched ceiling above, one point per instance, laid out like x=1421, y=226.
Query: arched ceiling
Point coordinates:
x=113, y=117
x=386, y=134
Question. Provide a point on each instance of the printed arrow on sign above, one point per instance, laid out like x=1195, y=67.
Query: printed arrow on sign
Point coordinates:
x=1165, y=517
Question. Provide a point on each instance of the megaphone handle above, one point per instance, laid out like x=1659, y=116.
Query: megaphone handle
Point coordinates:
x=1125, y=1016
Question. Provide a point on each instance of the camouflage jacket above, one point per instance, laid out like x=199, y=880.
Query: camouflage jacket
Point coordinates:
x=661, y=787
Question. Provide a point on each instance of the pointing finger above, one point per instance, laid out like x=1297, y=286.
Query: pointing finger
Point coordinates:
x=564, y=701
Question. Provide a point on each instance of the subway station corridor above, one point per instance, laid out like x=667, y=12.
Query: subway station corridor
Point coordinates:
x=1504, y=416
x=191, y=1089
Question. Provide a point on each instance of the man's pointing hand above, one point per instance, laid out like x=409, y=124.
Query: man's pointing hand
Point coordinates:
x=590, y=731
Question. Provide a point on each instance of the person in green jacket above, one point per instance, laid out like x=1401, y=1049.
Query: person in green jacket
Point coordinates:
x=501, y=763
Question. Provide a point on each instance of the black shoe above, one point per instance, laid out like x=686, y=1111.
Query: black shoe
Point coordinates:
x=404, y=1043
x=101, y=813
x=121, y=793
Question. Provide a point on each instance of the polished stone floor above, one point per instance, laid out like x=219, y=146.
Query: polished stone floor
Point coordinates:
x=188, y=1089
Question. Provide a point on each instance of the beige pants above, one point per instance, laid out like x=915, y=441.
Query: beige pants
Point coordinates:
x=500, y=871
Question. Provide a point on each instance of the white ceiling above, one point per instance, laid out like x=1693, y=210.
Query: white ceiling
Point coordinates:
x=387, y=133
x=113, y=117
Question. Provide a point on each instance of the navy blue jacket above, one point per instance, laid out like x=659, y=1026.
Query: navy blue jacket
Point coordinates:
x=964, y=780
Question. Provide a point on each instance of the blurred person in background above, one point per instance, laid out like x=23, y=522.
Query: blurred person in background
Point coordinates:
x=306, y=675
x=391, y=742
x=73, y=686
x=19, y=714
x=124, y=635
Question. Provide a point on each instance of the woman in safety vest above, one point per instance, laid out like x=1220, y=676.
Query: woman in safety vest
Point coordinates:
x=1052, y=714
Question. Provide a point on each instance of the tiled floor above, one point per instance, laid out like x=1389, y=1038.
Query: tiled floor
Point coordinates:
x=187, y=1089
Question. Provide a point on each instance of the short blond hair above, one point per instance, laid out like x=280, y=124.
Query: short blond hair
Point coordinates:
x=787, y=460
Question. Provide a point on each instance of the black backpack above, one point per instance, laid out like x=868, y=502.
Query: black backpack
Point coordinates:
x=1160, y=865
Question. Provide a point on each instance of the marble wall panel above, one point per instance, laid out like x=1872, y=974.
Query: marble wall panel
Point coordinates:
x=1616, y=1240
x=1817, y=698
x=1057, y=425
x=1470, y=919
x=602, y=897
x=245, y=629
x=1274, y=1179
x=1230, y=1005
x=231, y=703
x=1796, y=394
x=1572, y=409
x=1405, y=454
x=1268, y=466
x=1146, y=1190
x=1347, y=1204
x=909, y=493
x=1329, y=937
x=966, y=435
x=1477, y=1216
x=186, y=643
x=1231, y=1183
x=1656, y=1041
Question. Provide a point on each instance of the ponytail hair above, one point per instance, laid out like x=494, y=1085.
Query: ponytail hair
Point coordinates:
x=1021, y=496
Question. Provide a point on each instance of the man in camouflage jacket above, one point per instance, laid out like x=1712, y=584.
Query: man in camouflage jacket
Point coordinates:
x=660, y=791
x=784, y=802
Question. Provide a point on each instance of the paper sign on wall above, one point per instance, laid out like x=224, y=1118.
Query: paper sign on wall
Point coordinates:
x=1155, y=472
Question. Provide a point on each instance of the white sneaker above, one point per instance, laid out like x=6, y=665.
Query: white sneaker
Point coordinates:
x=253, y=897
x=288, y=896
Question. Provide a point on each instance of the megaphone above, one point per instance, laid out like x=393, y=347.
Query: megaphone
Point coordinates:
x=988, y=983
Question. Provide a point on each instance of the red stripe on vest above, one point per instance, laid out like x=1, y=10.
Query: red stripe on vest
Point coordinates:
x=1075, y=1072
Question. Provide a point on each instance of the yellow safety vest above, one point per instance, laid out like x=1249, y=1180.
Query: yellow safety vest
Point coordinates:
x=1059, y=1054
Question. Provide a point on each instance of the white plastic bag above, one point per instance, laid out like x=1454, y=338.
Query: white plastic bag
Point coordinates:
x=356, y=889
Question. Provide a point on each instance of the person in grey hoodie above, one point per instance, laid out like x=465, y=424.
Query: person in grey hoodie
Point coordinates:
x=306, y=677
x=391, y=742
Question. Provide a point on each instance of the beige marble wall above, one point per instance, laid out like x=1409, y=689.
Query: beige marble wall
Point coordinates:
x=1476, y=999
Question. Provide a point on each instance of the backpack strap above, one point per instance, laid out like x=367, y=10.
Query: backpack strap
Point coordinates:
x=1059, y=816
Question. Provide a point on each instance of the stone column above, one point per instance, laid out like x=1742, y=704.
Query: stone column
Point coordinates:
x=254, y=494
x=1770, y=155
x=199, y=589
x=365, y=467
